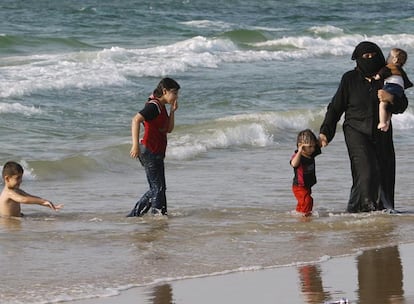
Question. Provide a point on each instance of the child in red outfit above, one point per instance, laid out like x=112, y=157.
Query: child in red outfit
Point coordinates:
x=303, y=163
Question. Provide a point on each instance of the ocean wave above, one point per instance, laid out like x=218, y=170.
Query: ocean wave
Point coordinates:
x=245, y=130
x=113, y=158
x=115, y=66
x=70, y=167
x=8, y=108
x=309, y=46
x=17, y=43
x=244, y=36
x=326, y=29
x=254, y=130
x=210, y=24
x=27, y=75
x=226, y=26
x=187, y=142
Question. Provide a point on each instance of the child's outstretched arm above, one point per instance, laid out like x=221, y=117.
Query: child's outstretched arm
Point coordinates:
x=22, y=197
x=53, y=206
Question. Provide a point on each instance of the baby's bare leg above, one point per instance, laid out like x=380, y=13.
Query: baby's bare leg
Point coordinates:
x=384, y=117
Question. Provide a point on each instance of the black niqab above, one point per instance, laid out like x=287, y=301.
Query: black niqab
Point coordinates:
x=368, y=66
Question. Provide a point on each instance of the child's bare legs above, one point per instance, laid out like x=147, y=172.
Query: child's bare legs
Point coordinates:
x=384, y=117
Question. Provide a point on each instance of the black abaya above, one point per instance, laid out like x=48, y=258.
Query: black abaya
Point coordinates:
x=371, y=151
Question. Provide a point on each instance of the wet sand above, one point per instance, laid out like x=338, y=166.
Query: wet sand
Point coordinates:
x=383, y=275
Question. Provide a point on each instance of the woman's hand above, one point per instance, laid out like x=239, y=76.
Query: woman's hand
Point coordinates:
x=384, y=96
x=323, y=140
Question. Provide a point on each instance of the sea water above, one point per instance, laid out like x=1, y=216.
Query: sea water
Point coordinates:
x=253, y=74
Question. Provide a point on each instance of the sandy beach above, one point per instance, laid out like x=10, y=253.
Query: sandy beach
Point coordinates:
x=382, y=275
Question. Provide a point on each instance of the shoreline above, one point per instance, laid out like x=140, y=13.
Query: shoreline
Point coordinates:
x=355, y=278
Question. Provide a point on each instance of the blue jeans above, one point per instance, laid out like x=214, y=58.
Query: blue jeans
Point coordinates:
x=155, y=198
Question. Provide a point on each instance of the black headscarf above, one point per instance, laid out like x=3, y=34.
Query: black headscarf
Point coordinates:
x=368, y=66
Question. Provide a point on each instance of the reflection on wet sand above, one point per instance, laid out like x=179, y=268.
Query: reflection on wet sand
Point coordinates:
x=311, y=284
x=375, y=276
x=379, y=280
x=162, y=294
x=380, y=276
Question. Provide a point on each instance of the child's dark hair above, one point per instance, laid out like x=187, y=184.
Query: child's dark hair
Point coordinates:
x=166, y=83
x=12, y=168
x=306, y=136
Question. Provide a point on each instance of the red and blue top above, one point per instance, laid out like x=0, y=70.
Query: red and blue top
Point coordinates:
x=156, y=126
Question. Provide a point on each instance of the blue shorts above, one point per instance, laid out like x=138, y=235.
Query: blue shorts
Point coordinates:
x=394, y=89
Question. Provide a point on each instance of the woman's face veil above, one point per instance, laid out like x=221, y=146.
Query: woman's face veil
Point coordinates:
x=368, y=65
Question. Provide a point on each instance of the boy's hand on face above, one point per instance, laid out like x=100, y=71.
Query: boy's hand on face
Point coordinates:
x=174, y=105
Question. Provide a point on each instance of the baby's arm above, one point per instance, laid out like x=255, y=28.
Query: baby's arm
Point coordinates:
x=22, y=197
x=385, y=72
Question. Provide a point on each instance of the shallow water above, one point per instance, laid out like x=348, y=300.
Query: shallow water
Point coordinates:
x=72, y=75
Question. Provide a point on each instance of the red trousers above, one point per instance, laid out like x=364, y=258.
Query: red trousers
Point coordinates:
x=305, y=200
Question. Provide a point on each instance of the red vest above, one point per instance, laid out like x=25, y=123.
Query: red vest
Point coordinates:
x=155, y=133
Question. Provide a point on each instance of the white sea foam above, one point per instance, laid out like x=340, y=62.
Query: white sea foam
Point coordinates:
x=254, y=130
x=277, y=120
x=338, y=46
x=326, y=29
x=45, y=72
x=6, y=108
x=189, y=146
x=220, y=25
x=208, y=24
x=113, y=66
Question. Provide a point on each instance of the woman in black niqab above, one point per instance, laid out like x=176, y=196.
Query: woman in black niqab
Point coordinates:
x=371, y=151
x=368, y=65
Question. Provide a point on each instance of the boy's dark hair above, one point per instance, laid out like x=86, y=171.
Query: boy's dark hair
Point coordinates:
x=306, y=136
x=12, y=168
x=166, y=83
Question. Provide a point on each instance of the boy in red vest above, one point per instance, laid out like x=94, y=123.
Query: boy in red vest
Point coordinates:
x=151, y=150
